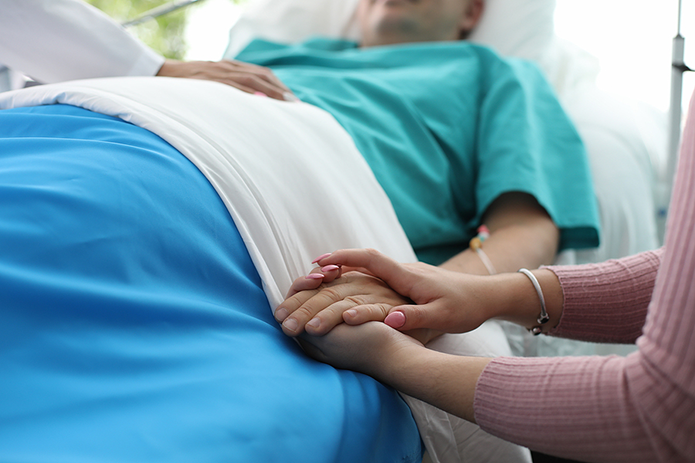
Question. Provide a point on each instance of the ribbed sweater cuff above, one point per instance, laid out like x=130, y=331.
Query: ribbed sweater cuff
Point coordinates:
x=606, y=302
x=572, y=407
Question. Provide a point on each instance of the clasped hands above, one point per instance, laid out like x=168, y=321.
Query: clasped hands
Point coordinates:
x=338, y=309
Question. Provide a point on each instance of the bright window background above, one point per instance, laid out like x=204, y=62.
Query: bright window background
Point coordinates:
x=208, y=28
x=631, y=38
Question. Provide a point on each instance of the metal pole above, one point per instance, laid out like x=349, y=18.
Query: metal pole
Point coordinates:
x=159, y=11
x=678, y=67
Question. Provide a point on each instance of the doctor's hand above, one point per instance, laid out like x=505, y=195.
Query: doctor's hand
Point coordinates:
x=247, y=77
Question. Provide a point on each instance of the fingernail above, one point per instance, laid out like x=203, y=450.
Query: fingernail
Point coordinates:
x=395, y=319
x=281, y=314
x=329, y=268
x=314, y=323
x=290, y=96
x=352, y=313
x=260, y=94
x=314, y=276
x=322, y=256
x=291, y=324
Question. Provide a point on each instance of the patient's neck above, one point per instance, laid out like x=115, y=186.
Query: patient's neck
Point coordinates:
x=365, y=43
x=396, y=36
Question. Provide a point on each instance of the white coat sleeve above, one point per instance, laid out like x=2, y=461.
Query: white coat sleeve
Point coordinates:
x=57, y=40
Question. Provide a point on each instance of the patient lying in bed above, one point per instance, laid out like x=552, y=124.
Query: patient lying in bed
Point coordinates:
x=454, y=135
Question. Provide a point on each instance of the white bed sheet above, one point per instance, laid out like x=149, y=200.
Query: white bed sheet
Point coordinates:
x=282, y=169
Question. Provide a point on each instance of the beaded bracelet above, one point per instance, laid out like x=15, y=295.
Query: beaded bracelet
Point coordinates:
x=476, y=244
x=543, y=318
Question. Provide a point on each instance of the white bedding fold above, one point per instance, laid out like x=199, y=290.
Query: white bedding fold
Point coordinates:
x=290, y=176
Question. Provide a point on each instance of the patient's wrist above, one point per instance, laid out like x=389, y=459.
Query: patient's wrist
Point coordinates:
x=168, y=68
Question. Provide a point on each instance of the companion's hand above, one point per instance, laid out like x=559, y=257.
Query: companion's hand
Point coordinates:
x=445, y=301
x=247, y=77
x=443, y=380
x=318, y=307
x=371, y=348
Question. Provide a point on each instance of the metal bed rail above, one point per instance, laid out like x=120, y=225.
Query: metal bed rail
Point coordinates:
x=159, y=11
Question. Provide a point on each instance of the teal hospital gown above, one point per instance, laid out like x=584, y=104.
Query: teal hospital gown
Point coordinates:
x=446, y=127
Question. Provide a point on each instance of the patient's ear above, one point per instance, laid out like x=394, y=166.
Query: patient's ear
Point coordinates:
x=470, y=19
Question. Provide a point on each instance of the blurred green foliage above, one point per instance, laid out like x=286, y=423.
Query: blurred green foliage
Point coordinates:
x=165, y=34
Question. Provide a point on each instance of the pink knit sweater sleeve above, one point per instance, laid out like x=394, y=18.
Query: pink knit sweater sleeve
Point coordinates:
x=607, y=302
x=639, y=408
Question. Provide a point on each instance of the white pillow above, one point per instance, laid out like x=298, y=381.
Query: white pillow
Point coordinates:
x=291, y=21
x=523, y=28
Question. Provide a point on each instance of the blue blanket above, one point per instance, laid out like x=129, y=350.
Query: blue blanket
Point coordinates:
x=134, y=325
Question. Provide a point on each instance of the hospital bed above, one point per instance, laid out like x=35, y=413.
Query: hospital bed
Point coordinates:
x=217, y=380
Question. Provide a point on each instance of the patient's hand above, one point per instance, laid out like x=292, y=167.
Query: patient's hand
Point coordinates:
x=318, y=307
x=245, y=76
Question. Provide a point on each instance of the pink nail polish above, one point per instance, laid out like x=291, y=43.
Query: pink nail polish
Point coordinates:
x=260, y=94
x=329, y=268
x=314, y=276
x=322, y=256
x=395, y=319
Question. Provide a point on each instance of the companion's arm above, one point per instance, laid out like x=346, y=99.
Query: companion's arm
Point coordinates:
x=605, y=302
x=585, y=408
x=455, y=302
x=614, y=310
x=443, y=380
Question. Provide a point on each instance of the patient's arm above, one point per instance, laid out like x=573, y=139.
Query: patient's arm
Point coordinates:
x=247, y=77
x=522, y=235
